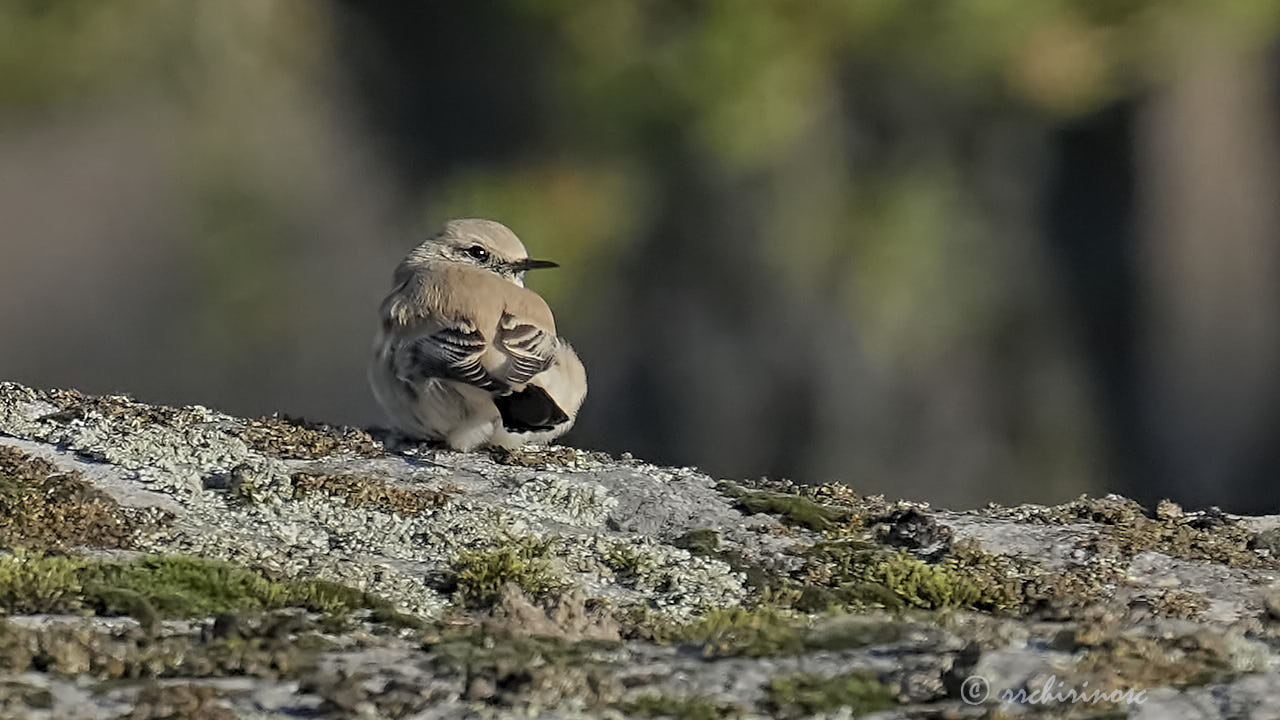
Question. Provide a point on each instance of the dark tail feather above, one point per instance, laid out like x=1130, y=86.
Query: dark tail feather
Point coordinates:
x=529, y=410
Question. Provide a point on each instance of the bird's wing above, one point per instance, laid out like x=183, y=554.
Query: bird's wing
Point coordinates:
x=529, y=350
x=450, y=351
x=457, y=350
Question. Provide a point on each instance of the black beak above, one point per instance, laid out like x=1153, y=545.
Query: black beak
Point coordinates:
x=530, y=264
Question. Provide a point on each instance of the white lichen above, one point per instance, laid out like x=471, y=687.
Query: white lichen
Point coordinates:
x=557, y=499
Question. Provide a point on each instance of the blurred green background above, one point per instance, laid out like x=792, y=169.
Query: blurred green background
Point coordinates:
x=962, y=250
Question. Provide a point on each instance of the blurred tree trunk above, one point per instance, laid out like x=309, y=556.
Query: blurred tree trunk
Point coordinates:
x=1209, y=264
x=1091, y=230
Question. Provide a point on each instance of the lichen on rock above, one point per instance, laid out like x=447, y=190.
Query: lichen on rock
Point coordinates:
x=278, y=567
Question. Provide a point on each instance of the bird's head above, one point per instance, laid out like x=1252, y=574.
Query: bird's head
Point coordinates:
x=484, y=244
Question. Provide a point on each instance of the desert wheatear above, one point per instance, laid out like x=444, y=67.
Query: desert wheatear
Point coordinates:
x=465, y=353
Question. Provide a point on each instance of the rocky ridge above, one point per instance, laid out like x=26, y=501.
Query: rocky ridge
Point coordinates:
x=181, y=563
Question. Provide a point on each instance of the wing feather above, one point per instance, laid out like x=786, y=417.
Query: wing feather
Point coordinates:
x=529, y=350
x=451, y=352
x=458, y=352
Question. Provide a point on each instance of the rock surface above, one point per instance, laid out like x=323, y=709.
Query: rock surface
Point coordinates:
x=180, y=563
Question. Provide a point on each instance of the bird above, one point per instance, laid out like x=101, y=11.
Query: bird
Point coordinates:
x=465, y=353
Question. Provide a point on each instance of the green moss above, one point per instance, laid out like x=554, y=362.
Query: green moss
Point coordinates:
x=699, y=542
x=266, y=646
x=769, y=632
x=480, y=575
x=337, y=600
x=850, y=596
x=851, y=631
x=857, y=574
x=121, y=601
x=792, y=696
x=740, y=632
x=160, y=587
x=176, y=586
x=680, y=708
x=816, y=598
x=35, y=583
x=791, y=509
x=945, y=585
x=848, y=575
x=629, y=562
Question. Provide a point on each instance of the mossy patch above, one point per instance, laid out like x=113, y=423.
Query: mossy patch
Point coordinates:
x=681, y=708
x=853, y=570
x=801, y=694
x=33, y=583
x=629, y=562
x=1129, y=529
x=851, y=574
x=699, y=542
x=365, y=492
x=837, y=511
x=176, y=587
x=730, y=632
x=298, y=439
x=859, y=575
x=480, y=574
x=271, y=646
x=162, y=587
x=44, y=508
x=857, y=511
x=948, y=584
x=771, y=632
x=791, y=509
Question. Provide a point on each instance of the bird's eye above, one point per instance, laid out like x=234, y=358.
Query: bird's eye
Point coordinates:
x=478, y=253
